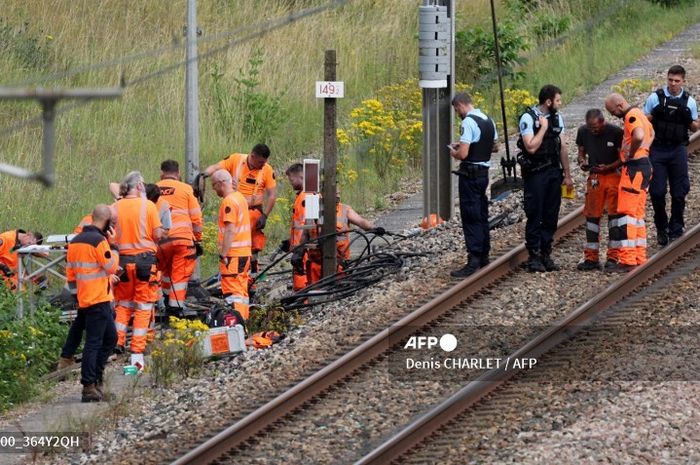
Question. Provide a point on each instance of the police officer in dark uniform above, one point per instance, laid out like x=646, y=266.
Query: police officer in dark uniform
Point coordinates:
x=478, y=139
x=672, y=112
x=542, y=159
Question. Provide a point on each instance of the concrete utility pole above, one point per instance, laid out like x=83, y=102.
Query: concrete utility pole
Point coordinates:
x=48, y=98
x=329, y=174
x=191, y=95
x=436, y=62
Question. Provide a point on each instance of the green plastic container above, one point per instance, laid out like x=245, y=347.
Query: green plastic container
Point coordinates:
x=131, y=370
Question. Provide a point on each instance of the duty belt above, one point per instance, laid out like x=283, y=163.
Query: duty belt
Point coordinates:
x=472, y=171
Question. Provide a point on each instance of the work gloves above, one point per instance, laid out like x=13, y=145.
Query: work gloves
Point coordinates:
x=261, y=222
x=198, y=249
x=284, y=245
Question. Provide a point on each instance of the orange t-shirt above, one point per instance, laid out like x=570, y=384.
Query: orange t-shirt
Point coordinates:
x=234, y=210
x=635, y=118
x=251, y=183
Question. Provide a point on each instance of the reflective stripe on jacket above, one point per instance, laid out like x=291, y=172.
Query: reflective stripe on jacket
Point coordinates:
x=89, y=264
x=137, y=218
x=184, y=209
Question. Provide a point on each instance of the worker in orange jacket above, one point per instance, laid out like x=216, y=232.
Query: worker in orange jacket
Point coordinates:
x=91, y=265
x=255, y=179
x=86, y=220
x=10, y=242
x=634, y=181
x=233, y=242
x=295, y=175
x=345, y=216
x=178, y=252
x=138, y=229
x=599, y=153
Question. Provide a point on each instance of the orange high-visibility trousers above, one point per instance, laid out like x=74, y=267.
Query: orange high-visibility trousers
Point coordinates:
x=631, y=207
x=257, y=236
x=314, y=271
x=234, y=284
x=177, y=262
x=601, y=196
x=135, y=297
x=299, y=278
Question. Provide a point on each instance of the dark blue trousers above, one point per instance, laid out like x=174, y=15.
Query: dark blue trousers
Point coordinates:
x=100, y=339
x=670, y=165
x=474, y=209
x=542, y=195
x=75, y=335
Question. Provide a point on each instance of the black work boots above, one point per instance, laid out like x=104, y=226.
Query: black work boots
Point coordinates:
x=588, y=265
x=472, y=266
x=539, y=263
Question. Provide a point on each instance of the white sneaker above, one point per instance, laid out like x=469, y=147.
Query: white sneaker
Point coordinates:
x=137, y=361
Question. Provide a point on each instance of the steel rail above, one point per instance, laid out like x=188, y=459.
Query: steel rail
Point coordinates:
x=266, y=415
x=263, y=417
x=582, y=317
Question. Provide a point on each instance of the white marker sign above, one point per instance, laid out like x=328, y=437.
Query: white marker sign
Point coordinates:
x=330, y=89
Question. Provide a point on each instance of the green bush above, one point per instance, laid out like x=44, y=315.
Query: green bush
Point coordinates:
x=29, y=349
x=475, y=54
x=242, y=106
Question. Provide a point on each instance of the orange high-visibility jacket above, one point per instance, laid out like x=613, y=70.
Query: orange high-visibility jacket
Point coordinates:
x=251, y=183
x=234, y=210
x=342, y=239
x=296, y=232
x=87, y=219
x=184, y=209
x=8, y=248
x=137, y=218
x=89, y=263
x=635, y=118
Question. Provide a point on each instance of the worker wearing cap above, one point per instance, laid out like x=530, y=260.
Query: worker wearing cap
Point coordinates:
x=634, y=181
x=91, y=265
x=255, y=179
x=234, y=243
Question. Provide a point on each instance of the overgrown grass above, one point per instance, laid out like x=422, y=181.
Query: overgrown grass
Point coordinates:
x=587, y=56
x=376, y=42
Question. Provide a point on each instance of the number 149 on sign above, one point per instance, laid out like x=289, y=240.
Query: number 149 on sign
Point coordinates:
x=330, y=89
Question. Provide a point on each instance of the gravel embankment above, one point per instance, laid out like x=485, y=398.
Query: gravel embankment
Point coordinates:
x=164, y=418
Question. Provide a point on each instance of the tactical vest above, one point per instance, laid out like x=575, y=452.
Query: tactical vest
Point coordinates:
x=671, y=119
x=481, y=150
x=549, y=151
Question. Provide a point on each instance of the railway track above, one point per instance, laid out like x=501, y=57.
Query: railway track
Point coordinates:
x=635, y=352
x=267, y=418
x=581, y=319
